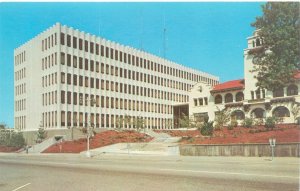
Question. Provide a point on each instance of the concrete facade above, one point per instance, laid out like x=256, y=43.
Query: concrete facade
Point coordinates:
x=242, y=98
x=68, y=78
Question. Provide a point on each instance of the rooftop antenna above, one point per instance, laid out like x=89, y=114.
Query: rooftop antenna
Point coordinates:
x=164, y=37
x=142, y=29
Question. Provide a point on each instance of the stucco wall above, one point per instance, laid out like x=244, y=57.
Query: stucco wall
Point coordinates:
x=255, y=150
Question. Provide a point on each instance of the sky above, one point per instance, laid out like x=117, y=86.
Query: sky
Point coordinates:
x=205, y=36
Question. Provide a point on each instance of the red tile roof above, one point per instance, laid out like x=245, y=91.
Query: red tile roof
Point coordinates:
x=230, y=85
x=297, y=74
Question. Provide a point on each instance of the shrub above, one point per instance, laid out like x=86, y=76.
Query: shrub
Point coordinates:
x=12, y=139
x=270, y=122
x=207, y=128
x=230, y=127
x=248, y=122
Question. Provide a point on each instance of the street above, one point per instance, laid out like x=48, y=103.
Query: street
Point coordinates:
x=122, y=172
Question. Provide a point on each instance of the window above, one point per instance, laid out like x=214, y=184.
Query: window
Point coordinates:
x=75, y=98
x=92, y=65
x=218, y=99
x=80, y=63
x=258, y=113
x=68, y=60
x=69, y=79
x=86, y=64
x=292, y=90
x=278, y=92
x=69, y=97
x=102, y=68
x=86, y=82
x=281, y=111
x=112, y=53
x=102, y=50
x=62, y=76
x=107, y=52
x=237, y=115
x=74, y=42
x=62, y=39
x=62, y=97
x=92, y=82
x=75, y=61
x=75, y=80
x=97, y=49
x=62, y=59
x=97, y=84
x=97, y=67
x=91, y=47
x=80, y=81
x=228, y=98
x=239, y=96
x=80, y=44
x=86, y=46
x=63, y=118
x=68, y=40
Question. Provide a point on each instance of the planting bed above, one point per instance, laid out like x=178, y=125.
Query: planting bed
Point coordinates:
x=258, y=134
x=6, y=149
x=99, y=140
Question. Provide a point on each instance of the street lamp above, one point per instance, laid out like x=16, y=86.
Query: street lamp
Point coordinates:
x=272, y=142
x=89, y=126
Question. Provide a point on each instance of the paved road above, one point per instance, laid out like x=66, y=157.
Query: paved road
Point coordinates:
x=74, y=172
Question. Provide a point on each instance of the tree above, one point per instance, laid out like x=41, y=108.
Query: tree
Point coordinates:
x=139, y=123
x=278, y=58
x=119, y=122
x=295, y=111
x=186, y=122
x=222, y=118
x=41, y=135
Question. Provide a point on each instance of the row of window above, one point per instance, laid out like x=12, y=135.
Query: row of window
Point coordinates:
x=20, y=58
x=49, y=61
x=20, y=122
x=292, y=89
x=20, y=105
x=117, y=55
x=201, y=101
x=110, y=102
x=49, y=80
x=105, y=120
x=20, y=74
x=229, y=98
x=49, y=42
x=20, y=89
x=122, y=88
x=258, y=94
x=49, y=98
x=138, y=76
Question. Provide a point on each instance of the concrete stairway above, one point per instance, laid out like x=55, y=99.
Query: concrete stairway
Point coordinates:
x=161, y=137
x=38, y=148
x=162, y=144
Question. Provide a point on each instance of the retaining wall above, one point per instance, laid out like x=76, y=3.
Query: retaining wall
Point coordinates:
x=255, y=150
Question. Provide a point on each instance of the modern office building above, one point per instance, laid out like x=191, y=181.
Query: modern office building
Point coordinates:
x=68, y=78
x=242, y=98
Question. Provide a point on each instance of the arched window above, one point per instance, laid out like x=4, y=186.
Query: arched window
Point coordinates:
x=281, y=111
x=257, y=42
x=218, y=99
x=238, y=115
x=258, y=113
x=292, y=90
x=239, y=96
x=278, y=92
x=228, y=98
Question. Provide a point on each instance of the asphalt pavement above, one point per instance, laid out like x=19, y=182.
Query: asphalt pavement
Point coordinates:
x=132, y=172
